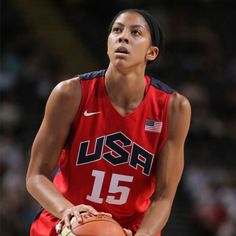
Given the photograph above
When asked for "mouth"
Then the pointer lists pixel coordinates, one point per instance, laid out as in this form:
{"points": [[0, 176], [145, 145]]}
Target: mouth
{"points": [[122, 50]]}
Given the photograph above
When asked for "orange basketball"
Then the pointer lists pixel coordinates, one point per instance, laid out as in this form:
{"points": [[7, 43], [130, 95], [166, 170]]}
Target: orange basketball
{"points": [[91, 225]]}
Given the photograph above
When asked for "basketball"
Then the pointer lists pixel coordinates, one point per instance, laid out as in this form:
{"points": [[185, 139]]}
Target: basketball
{"points": [[91, 225]]}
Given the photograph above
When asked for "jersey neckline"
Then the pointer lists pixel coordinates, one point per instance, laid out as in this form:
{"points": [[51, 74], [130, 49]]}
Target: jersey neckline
{"points": [[137, 109]]}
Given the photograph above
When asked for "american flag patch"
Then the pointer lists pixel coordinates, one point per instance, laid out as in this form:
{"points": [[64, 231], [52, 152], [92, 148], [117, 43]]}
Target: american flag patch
{"points": [[153, 126]]}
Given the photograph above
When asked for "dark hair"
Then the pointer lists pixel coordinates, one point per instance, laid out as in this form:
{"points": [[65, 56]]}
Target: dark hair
{"points": [[155, 30]]}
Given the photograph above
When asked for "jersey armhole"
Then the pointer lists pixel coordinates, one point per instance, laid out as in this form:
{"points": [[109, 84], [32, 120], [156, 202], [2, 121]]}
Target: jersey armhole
{"points": [[72, 132], [164, 133]]}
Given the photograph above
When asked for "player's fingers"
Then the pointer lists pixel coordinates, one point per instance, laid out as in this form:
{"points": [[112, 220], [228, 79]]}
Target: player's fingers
{"points": [[76, 214], [66, 220], [127, 232], [88, 208]]}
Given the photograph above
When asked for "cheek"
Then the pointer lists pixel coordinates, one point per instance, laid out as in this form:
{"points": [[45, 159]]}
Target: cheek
{"points": [[143, 48], [110, 45]]}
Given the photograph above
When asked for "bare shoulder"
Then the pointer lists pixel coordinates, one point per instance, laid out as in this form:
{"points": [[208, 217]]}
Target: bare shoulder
{"points": [[67, 89], [179, 116], [64, 99], [179, 103]]}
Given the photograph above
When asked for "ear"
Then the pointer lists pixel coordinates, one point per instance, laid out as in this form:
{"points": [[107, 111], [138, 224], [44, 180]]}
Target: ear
{"points": [[152, 53]]}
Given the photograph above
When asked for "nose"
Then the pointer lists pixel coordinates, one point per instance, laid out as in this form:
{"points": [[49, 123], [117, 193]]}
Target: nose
{"points": [[124, 37]]}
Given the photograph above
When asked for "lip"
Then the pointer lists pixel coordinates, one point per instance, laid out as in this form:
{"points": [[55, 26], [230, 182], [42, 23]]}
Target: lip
{"points": [[122, 51]]}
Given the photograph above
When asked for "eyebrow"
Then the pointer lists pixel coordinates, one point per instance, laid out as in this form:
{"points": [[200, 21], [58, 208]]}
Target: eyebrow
{"points": [[133, 26]]}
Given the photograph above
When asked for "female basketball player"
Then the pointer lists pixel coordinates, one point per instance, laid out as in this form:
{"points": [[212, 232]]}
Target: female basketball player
{"points": [[117, 136]]}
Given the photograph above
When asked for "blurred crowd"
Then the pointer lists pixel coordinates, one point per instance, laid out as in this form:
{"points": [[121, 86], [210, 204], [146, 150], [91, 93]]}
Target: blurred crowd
{"points": [[198, 60]]}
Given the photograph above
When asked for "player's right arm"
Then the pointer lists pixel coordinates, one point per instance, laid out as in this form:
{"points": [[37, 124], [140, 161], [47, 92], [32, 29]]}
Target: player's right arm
{"points": [[60, 112]]}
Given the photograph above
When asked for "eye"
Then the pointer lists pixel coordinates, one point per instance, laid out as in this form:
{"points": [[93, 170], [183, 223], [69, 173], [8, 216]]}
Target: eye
{"points": [[136, 32], [116, 30]]}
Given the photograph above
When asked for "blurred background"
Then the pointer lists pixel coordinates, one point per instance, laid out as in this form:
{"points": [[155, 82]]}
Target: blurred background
{"points": [[47, 41]]}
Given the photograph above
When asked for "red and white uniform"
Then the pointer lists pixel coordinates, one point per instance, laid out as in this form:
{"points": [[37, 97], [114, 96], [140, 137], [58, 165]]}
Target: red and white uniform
{"points": [[109, 160]]}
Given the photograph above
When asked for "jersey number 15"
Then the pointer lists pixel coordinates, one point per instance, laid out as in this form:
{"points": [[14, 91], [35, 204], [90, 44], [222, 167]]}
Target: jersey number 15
{"points": [[114, 187]]}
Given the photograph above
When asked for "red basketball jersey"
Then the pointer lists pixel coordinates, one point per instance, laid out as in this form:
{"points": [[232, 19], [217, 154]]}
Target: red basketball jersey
{"points": [[109, 161]]}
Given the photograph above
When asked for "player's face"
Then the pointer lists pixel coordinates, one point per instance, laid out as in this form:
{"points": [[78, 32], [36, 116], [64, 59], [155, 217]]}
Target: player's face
{"points": [[129, 43]]}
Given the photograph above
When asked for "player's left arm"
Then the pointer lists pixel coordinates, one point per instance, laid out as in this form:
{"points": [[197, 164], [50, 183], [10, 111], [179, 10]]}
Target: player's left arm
{"points": [[169, 167]]}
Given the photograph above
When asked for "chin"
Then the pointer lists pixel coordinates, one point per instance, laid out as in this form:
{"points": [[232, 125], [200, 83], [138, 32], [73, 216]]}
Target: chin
{"points": [[120, 63], [122, 67]]}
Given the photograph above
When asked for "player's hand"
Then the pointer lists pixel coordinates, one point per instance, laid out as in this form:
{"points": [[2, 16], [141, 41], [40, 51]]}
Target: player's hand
{"points": [[128, 232], [76, 212]]}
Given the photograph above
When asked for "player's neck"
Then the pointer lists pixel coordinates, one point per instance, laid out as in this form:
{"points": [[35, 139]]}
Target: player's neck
{"points": [[125, 90], [125, 80]]}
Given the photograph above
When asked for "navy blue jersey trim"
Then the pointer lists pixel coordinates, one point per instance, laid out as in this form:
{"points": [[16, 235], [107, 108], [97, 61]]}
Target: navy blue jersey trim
{"points": [[55, 172], [162, 86], [92, 75], [38, 214], [155, 82]]}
